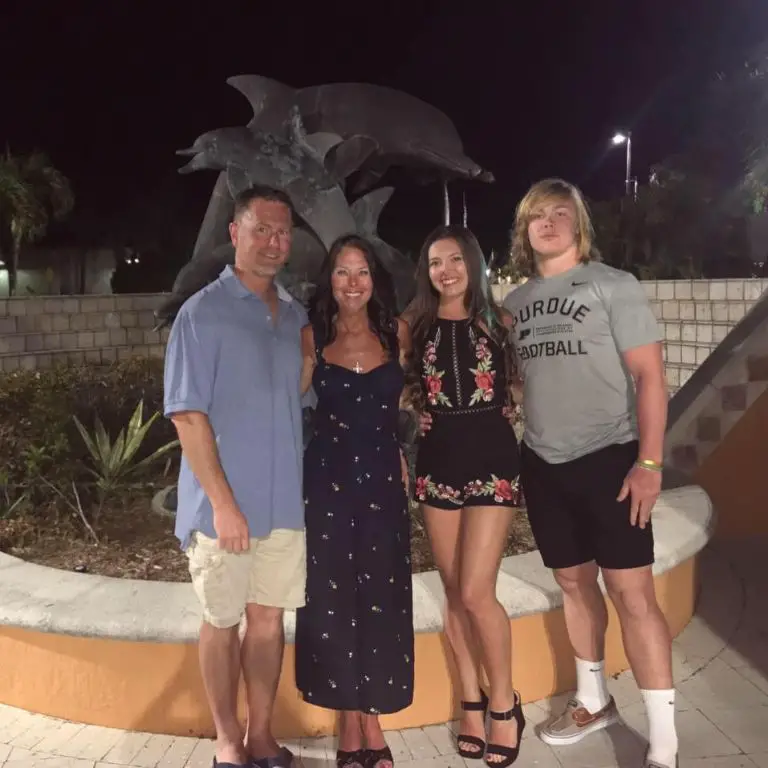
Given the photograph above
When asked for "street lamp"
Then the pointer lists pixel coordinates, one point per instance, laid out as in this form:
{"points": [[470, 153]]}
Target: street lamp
{"points": [[626, 138]]}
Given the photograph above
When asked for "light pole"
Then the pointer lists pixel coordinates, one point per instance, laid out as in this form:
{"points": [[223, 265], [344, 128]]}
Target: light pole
{"points": [[626, 138]]}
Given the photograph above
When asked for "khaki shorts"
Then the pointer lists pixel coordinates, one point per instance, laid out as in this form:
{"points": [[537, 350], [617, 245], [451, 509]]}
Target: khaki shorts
{"points": [[272, 573]]}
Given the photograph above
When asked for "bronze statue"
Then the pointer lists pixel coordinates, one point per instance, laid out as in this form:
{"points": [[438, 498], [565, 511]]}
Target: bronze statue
{"points": [[322, 145]]}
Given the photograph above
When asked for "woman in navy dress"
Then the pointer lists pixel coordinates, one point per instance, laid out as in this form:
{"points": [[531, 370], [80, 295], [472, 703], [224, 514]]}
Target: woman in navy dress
{"points": [[354, 637]]}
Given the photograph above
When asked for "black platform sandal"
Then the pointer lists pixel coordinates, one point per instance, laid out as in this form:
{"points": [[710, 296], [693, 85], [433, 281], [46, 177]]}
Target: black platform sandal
{"points": [[374, 756], [353, 759], [509, 754], [474, 741]]}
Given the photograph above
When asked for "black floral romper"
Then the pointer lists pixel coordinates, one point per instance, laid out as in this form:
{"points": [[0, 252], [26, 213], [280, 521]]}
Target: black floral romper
{"points": [[470, 456], [354, 637]]}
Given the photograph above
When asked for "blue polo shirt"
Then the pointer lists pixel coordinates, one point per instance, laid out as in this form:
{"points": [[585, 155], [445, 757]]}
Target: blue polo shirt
{"points": [[227, 359]]}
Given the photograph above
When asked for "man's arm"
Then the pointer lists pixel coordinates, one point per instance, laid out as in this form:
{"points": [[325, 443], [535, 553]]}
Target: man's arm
{"points": [[188, 385], [646, 366], [638, 340], [199, 446]]}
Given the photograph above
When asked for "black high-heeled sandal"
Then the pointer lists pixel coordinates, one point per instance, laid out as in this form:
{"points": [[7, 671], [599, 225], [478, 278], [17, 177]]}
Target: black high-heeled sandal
{"points": [[374, 756], [474, 741], [509, 754], [346, 759]]}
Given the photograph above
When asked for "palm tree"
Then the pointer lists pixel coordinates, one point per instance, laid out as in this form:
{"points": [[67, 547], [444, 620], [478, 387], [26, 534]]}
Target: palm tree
{"points": [[32, 194]]}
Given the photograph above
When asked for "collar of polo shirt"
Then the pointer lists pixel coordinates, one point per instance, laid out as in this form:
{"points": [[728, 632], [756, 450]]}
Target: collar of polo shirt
{"points": [[232, 281]]}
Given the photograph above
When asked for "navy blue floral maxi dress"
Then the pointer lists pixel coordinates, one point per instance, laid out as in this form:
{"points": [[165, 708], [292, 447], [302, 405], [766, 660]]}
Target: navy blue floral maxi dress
{"points": [[354, 637]]}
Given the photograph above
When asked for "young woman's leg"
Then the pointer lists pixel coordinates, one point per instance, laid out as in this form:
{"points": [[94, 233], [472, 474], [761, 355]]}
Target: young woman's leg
{"points": [[444, 530], [483, 539]]}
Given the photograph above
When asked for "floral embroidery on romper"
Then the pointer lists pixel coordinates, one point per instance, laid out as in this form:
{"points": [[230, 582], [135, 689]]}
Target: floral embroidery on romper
{"points": [[426, 487], [499, 488], [484, 374], [433, 379]]}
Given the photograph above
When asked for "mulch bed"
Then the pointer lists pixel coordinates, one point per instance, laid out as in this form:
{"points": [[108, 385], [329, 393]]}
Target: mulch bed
{"points": [[137, 543]]}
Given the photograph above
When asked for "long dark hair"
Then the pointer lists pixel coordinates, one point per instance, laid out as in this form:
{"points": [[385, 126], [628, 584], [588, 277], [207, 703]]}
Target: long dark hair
{"points": [[483, 311], [422, 311], [323, 308]]}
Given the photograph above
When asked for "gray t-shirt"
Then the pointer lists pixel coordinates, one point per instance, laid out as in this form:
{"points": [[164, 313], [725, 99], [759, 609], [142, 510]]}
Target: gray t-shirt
{"points": [[569, 332]]}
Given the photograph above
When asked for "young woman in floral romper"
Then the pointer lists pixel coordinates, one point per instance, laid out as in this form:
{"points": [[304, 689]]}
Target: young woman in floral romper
{"points": [[466, 474]]}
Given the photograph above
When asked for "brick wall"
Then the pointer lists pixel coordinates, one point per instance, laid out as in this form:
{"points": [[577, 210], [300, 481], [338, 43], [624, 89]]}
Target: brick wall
{"points": [[695, 316], [37, 332]]}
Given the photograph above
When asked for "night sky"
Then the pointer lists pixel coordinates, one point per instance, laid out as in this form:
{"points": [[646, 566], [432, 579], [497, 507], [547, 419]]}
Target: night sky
{"points": [[111, 89]]}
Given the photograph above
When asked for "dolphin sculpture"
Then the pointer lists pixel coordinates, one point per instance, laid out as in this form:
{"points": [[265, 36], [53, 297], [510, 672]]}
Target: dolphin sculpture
{"points": [[300, 165], [317, 144], [408, 131]]}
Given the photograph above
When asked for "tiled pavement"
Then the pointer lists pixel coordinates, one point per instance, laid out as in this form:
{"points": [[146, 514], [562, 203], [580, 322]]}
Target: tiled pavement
{"points": [[721, 667]]}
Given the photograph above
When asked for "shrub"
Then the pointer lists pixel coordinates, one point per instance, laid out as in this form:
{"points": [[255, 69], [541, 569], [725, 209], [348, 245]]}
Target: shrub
{"points": [[38, 435]]}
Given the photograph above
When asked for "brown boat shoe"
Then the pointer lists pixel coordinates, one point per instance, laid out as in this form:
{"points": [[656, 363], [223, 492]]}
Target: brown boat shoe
{"points": [[577, 722]]}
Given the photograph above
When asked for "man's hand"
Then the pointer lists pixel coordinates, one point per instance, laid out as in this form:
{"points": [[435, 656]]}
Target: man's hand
{"points": [[643, 486], [405, 474], [425, 422], [231, 530]]}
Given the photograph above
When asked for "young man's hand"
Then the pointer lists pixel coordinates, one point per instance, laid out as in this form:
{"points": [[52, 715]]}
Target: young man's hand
{"points": [[643, 487]]}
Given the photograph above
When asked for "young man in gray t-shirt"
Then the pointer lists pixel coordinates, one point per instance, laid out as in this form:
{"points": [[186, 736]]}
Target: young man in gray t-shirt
{"points": [[595, 406]]}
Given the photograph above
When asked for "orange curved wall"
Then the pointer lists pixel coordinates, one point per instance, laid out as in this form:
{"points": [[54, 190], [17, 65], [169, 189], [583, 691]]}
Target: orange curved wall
{"points": [[156, 687], [735, 474]]}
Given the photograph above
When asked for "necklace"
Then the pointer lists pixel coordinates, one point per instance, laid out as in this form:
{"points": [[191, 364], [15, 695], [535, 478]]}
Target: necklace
{"points": [[358, 368]]}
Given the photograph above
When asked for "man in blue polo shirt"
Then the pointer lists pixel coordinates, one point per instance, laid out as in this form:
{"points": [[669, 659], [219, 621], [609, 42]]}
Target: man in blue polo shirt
{"points": [[232, 389]]}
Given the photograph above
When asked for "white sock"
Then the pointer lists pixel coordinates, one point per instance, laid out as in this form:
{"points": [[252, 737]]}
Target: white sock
{"points": [[592, 690], [660, 706]]}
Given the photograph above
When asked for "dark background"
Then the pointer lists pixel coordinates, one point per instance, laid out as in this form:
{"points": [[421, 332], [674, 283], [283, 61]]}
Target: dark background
{"points": [[111, 89]]}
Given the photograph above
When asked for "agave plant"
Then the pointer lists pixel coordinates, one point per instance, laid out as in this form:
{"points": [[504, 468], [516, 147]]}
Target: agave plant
{"points": [[114, 462]]}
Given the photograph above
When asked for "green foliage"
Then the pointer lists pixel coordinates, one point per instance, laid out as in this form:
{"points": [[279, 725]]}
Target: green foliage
{"points": [[114, 462], [32, 194], [693, 218], [42, 453], [677, 228]]}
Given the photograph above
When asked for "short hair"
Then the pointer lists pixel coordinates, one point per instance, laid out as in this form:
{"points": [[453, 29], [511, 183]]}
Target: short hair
{"points": [[261, 192], [540, 193]]}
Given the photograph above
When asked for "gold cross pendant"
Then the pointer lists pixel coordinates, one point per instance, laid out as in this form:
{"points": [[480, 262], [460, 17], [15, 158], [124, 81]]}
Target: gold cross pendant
{"points": [[358, 368]]}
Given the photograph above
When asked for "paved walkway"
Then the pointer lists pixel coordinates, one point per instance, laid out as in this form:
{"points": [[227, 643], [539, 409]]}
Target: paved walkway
{"points": [[721, 668]]}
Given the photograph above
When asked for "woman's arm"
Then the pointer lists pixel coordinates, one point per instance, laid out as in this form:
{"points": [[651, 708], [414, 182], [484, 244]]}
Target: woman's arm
{"points": [[515, 382], [405, 343], [309, 359], [404, 340]]}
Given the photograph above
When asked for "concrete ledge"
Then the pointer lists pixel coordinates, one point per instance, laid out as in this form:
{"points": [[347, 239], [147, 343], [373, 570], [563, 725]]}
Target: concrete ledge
{"points": [[50, 600], [123, 654]]}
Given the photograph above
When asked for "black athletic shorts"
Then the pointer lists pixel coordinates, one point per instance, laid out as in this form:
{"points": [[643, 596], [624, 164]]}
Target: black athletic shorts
{"points": [[573, 511]]}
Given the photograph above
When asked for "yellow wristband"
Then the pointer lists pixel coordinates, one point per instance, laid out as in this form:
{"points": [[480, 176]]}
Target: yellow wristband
{"points": [[654, 466]]}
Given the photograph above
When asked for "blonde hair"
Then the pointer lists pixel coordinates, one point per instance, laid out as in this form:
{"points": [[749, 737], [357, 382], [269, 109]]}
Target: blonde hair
{"points": [[542, 192]]}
